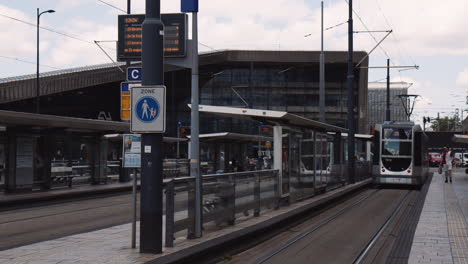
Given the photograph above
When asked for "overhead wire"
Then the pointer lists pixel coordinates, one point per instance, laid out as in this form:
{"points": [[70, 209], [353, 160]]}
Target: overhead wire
{"points": [[372, 35], [394, 35], [25, 61], [52, 30], [113, 6]]}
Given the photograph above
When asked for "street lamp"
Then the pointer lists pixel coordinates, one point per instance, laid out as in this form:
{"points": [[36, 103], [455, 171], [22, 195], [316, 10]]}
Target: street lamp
{"points": [[37, 61]]}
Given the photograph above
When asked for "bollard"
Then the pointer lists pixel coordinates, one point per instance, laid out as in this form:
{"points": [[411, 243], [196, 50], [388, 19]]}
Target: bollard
{"points": [[257, 194], [170, 214]]}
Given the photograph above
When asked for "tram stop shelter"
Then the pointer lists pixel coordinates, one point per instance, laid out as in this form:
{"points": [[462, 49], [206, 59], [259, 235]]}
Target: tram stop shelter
{"points": [[42, 151], [308, 158]]}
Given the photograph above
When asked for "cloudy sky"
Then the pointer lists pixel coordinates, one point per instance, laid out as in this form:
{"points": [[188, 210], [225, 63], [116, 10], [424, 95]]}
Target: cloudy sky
{"points": [[432, 34]]}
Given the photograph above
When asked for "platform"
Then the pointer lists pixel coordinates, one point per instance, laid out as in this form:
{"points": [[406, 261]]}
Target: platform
{"points": [[442, 232], [112, 245], [14, 199]]}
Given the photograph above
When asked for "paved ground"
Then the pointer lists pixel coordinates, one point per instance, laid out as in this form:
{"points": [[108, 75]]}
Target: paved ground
{"points": [[39, 223], [112, 245], [442, 233]]}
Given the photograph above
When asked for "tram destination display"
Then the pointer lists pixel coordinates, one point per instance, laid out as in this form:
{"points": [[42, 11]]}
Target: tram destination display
{"points": [[130, 36]]}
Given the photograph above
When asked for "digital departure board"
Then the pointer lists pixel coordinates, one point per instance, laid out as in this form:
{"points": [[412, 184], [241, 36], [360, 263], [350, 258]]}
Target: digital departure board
{"points": [[130, 36]]}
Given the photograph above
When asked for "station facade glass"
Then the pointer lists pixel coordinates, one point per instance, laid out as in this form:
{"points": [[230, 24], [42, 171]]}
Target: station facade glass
{"points": [[289, 88]]}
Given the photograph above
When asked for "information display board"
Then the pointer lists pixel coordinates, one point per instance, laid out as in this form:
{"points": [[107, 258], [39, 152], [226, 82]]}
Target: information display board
{"points": [[130, 36]]}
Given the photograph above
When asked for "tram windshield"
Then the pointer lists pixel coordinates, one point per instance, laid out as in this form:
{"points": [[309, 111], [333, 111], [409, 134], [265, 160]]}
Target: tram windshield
{"points": [[397, 133], [396, 164], [396, 148]]}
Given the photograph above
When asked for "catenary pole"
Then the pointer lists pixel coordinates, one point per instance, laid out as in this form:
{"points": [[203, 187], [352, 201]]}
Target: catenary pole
{"points": [[194, 132], [351, 132], [37, 67], [322, 79], [151, 204], [387, 111]]}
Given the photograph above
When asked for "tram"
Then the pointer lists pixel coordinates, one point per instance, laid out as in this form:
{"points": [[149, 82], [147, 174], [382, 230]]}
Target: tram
{"points": [[400, 154]]}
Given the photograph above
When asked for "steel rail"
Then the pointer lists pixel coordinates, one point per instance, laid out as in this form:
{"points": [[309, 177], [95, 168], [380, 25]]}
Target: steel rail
{"points": [[360, 258], [315, 228]]}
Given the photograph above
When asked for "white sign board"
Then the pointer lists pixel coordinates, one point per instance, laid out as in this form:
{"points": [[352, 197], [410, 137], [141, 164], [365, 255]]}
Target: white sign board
{"points": [[131, 151], [148, 109]]}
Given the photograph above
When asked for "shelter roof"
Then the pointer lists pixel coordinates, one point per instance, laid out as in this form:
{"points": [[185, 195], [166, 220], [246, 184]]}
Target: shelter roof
{"points": [[281, 117]]}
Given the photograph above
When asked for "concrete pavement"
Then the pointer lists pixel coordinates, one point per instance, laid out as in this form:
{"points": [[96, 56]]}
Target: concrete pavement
{"points": [[442, 232], [112, 245]]}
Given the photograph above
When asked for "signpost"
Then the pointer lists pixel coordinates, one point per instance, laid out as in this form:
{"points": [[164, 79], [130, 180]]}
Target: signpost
{"points": [[132, 159], [152, 59], [130, 36]]}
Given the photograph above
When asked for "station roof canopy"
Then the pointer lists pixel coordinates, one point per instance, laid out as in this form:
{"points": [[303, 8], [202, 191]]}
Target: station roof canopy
{"points": [[18, 119], [358, 136], [233, 137], [23, 87], [280, 117]]}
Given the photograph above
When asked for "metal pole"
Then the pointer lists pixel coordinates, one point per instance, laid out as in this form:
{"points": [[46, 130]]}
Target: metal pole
{"points": [[37, 66], [129, 9], [151, 205], [322, 80], [438, 121], [350, 96], [194, 132], [387, 111], [134, 211], [178, 136]]}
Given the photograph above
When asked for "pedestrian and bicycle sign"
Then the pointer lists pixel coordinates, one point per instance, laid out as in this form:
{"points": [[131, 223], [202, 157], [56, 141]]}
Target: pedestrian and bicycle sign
{"points": [[148, 109]]}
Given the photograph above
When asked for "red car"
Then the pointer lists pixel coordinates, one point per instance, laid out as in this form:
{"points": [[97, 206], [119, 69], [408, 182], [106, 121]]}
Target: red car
{"points": [[435, 159]]}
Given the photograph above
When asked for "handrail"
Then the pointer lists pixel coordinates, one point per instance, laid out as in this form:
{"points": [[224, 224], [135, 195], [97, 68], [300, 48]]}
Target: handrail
{"points": [[209, 176]]}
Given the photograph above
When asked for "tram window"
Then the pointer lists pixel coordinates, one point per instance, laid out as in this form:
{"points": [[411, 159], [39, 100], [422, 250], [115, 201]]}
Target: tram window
{"points": [[397, 133], [396, 148]]}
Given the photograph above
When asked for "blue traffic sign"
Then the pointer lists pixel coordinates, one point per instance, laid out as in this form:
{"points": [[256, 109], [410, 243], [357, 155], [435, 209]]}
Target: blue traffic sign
{"points": [[148, 113], [189, 6], [134, 74], [147, 109]]}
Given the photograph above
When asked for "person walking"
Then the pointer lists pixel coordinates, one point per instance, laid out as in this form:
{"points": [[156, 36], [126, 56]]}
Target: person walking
{"points": [[447, 163]]}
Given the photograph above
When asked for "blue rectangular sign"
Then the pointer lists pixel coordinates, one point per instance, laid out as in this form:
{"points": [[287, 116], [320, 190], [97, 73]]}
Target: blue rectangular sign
{"points": [[134, 74], [189, 6]]}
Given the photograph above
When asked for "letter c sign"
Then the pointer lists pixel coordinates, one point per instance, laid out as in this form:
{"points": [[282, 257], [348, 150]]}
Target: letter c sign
{"points": [[134, 74]]}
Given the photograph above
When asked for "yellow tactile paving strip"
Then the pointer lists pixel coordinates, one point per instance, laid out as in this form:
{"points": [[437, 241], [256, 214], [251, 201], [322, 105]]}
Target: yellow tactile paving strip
{"points": [[457, 227]]}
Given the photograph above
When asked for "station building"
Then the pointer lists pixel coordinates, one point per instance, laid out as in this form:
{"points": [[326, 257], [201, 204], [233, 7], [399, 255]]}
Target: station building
{"points": [[271, 80], [377, 94]]}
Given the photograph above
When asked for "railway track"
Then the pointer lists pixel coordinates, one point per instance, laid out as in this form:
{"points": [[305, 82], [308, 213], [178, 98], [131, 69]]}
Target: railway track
{"points": [[342, 236]]}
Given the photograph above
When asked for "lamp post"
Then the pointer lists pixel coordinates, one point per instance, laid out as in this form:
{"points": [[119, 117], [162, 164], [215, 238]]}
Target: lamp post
{"points": [[37, 61]]}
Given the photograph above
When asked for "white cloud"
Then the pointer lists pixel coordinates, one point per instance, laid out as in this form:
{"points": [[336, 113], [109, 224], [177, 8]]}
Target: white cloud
{"points": [[462, 78]]}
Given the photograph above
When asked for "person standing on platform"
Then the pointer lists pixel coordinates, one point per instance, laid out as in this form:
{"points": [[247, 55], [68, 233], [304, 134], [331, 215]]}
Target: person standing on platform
{"points": [[447, 163]]}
